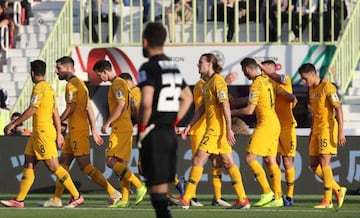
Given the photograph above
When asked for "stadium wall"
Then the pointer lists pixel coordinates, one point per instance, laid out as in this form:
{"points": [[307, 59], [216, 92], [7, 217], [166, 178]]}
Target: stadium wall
{"points": [[346, 168]]}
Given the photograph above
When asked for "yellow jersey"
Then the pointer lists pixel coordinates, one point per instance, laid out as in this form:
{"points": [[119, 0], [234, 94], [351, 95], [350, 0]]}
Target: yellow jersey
{"points": [[200, 126], [283, 108], [135, 98], [77, 92], [262, 95], [215, 93], [323, 98], [120, 91], [43, 99]]}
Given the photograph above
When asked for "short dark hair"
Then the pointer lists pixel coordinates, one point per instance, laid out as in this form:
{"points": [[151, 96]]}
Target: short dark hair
{"points": [[15, 114], [102, 65], [66, 60], [2, 3], [248, 62], [307, 68], [126, 76], [38, 67], [155, 33], [269, 62]]}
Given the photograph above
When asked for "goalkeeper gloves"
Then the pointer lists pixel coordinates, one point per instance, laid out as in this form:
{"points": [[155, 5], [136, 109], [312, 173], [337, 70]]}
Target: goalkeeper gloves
{"points": [[143, 131]]}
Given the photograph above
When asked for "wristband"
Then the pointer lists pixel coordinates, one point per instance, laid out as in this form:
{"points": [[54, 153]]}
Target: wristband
{"points": [[141, 127], [177, 121]]}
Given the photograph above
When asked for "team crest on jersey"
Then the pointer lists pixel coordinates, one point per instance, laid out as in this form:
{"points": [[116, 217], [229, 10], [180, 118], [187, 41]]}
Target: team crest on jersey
{"points": [[142, 76], [222, 95], [34, 99], [335, 97], [283, 78], [70, 96], [119, 94], [251, 95]]}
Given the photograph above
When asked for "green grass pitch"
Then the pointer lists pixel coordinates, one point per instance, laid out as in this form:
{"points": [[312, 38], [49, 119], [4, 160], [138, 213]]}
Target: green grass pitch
{"points": [[95, 207]]}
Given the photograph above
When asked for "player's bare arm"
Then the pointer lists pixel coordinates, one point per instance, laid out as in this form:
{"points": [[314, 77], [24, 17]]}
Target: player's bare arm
{"points": [[271, 73], [145, 113], [186, 99], [291, 98], [114, 115], [198, 113], [147, 93], [227, 114], [91, 117], [340, 120], [57, 123], [236, 103], [248, 110], [70, 108]]}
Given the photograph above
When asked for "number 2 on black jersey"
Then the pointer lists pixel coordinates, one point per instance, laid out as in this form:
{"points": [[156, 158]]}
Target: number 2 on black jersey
{"points": [[170, 93]]}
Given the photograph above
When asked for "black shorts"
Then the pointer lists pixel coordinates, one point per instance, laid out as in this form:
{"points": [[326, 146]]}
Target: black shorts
{"points": [[159, 155]]}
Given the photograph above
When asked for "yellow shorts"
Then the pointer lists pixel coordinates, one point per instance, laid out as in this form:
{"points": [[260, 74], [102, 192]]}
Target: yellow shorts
{"points": [[77, 143], [120, 145], [42, 144], [264, 141], [195, 142], [215, 144], [287, 141], [324, 141]]}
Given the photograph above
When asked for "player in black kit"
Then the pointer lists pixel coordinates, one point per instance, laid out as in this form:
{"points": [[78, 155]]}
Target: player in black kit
{"points": [[165, 99]]}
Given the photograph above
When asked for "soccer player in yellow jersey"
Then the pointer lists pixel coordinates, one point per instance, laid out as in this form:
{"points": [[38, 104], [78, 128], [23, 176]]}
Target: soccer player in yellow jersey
{"points": [[196, 133], [327, 131], [135, 96], [264, 140], [218, 137], [78, 114], [46, 135], [287, 140], [120, 141]]}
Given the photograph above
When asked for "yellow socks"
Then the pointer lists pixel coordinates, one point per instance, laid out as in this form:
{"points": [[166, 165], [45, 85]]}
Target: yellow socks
{"points": [[59, 187], [25, 184], [236, 181], [125, 189], [125, 173], [195, 175], [99, 178], [216, 182], [65, 178], [328, 179], [275, 177], [319, 172], [290, 179], [260, 176]]}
